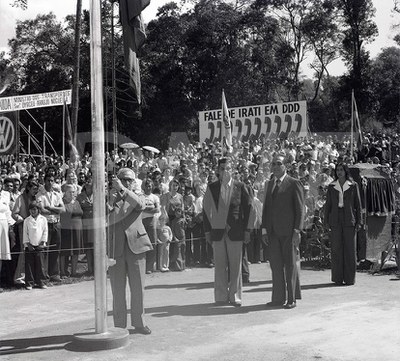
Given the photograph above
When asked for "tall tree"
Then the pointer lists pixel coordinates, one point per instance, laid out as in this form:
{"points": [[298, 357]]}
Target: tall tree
{"points": [[359, 29], [321, 28], [385, 74]]}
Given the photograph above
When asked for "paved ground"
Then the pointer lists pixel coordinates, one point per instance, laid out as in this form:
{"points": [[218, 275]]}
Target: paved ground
{"points": [[330, 323]]}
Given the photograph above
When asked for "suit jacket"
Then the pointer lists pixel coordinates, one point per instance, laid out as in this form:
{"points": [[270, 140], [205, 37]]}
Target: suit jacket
{"points": [[285, 211], [126, 225], [351, 205], [232, 216]]}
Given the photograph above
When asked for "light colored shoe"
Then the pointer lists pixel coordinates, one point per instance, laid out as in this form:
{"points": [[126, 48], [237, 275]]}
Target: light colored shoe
{"points": [[28, 288]]}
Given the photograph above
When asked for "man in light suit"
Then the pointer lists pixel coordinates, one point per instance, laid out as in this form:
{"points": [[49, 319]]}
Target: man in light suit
{"points": [[129, 243], [226, 210], [282, 221]]}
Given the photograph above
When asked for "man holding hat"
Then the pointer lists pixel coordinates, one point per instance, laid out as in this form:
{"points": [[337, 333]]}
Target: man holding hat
{"points": [[129, 243]]}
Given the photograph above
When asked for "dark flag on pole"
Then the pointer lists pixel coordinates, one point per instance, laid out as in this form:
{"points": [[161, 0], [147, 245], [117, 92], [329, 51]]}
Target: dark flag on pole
{"points": [[73, 152], [134, 36]]}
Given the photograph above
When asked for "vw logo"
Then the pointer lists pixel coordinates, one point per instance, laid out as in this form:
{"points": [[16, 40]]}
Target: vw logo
{"points": [[7, 134]]}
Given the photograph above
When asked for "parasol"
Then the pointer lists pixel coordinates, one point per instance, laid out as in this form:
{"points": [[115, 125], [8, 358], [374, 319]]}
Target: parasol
{"points": [[129, 146], [151, 149]]}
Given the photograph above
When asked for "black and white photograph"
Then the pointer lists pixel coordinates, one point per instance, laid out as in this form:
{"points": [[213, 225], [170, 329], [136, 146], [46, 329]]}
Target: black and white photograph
{"points": [[200, 180]]}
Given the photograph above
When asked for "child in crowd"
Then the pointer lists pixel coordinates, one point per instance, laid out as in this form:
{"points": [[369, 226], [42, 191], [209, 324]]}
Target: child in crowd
{"points": [[34, 239], [178, 244], [164, 235]]}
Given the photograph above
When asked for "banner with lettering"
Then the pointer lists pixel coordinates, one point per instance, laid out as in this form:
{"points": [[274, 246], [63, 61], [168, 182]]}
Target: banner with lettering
{"points": [[30, 101], [250, 122], [8, 133]]}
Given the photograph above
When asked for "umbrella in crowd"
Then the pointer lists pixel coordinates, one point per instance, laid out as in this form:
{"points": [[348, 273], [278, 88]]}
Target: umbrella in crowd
{"points": [[129, 146], [151, 149]]}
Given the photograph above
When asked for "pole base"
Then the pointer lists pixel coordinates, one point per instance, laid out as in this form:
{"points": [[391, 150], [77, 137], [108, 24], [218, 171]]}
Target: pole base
{"points": [[90, 341]]}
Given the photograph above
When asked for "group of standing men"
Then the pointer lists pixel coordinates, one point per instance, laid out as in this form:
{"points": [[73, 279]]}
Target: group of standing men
{"points": [[227, 206]]}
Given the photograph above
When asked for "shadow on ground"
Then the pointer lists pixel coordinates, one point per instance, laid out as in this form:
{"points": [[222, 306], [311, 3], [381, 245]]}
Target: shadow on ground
{"points": [[35, 344]]}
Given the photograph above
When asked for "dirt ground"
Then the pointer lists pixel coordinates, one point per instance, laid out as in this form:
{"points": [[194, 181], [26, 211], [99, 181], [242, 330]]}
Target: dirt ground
{"points": [[331, 323]]}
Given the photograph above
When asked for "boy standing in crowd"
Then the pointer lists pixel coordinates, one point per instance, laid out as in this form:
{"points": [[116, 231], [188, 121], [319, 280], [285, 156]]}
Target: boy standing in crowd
{"points": [[34, 238]]}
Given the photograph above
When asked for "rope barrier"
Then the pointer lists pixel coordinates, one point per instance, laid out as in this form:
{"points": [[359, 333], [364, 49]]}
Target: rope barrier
{"points": [[45, 250]]}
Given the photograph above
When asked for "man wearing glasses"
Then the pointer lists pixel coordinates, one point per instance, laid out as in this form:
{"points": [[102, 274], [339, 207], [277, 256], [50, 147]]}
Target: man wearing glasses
{"points": [[282, 221], [128, 243], [226, 209]]}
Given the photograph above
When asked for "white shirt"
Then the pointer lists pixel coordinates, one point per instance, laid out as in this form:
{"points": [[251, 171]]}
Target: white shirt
{"points": [[35, 230], [51, 199], [346, 186], [225, 190]]}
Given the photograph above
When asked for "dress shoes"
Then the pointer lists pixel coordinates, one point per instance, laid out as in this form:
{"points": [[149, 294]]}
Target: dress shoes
{"points": [[274, 304], [236, 304], [55, 278], [143, 330], [289, 306]]}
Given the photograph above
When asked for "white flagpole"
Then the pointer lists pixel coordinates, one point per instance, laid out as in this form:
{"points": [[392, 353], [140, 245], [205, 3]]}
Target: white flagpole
{"points": [[103, 337], [99, 211]]}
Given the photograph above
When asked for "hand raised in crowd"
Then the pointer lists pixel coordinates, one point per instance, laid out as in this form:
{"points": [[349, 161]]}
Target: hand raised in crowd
{"points": [[116, 184]]}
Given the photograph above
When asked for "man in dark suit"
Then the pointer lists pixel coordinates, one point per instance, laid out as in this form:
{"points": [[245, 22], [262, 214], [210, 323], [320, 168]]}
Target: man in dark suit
{"points": [[282, 221], [226, 210], [129, 243]]}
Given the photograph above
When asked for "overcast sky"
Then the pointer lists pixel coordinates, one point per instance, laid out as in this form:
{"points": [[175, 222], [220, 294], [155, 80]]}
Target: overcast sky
{"points": [[9, 15]]}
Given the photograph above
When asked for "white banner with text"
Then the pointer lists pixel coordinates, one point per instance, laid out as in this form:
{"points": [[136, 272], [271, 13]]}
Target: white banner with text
{"points": [[250, 122], [30, 101]]}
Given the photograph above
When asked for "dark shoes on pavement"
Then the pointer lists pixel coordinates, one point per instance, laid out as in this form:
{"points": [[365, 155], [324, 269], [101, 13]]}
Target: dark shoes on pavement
{"points": [[277, 304], [143, 330], [225, 303], [289, 306]]}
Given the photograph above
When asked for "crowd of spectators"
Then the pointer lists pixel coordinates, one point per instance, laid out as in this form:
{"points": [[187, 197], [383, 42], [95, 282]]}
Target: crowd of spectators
{"points": [[173, 183]]}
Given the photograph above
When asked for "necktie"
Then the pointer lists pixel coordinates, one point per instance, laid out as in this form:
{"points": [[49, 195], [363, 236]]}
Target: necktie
{"points": [[276, 189], [225, 193]]}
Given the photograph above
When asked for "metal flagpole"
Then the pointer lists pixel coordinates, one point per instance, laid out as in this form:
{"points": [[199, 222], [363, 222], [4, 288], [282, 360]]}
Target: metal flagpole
{"points": [[114, 91], [103, 337], [352, 126], [44, 140], [99, 212], [63, 131], [29, 140]]}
